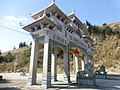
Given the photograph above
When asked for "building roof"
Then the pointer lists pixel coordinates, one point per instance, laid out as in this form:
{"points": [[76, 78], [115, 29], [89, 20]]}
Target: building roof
{"points": [[72, 15], [43, 20], [51, 8]]}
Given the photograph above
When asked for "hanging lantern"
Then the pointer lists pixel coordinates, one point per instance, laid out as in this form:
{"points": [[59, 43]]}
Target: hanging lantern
{"points": [[76, 52]]}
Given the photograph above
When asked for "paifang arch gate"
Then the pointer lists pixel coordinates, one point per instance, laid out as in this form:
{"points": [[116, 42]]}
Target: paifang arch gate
{"points": [[54, 29]]}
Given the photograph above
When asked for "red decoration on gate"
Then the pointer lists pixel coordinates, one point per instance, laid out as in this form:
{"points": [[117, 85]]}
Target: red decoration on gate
{"points": [[76, 52]]}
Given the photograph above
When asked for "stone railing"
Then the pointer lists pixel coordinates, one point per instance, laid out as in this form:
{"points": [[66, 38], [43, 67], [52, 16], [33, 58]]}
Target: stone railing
{"points": [[77, 41], [59, 38]]}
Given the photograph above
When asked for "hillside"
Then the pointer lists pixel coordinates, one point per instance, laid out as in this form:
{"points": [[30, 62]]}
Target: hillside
{"points": [[107, 52], [115, 26], [7, 59]]}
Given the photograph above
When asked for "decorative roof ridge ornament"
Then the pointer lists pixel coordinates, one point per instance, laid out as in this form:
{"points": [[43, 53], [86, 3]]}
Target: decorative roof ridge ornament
{"points": [[73, 11], [52, 4], [73, 17], [53, 1], [44, 12]]}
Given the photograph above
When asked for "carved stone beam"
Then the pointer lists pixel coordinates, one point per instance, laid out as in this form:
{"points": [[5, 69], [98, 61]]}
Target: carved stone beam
{"points": [[41, 25], [30, 29], [38, 17], [61, 18], [48, 25], [77, 23], [64, 21], [56, 14], [35, 28], [73, 19], [50, 14], [68, 29]]}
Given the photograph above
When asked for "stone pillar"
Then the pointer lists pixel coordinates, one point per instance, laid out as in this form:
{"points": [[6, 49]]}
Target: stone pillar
{"points": [[46, 79], [66, 65], [92, 62], [33, 61], [83, 64], [76, 63], [54, 66], [85, 61], [85, 58]]}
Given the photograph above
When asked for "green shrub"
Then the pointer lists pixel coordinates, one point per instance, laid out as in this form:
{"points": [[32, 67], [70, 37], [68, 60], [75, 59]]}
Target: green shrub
{"points": [[26, 53], [95, 29], [9, 57], [108, 30], [24, 58]]}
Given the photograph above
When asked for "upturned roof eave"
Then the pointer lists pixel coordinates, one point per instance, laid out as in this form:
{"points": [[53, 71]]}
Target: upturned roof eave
{"points": [[73, 15], [26, 27], [54, 6], [41, 11]]}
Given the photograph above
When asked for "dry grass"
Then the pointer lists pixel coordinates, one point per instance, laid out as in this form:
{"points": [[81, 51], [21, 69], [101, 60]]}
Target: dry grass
{"points": [[107, 52]]}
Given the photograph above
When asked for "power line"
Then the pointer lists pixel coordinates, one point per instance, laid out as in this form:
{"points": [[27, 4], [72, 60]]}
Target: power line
{"points": [[13, 30]]}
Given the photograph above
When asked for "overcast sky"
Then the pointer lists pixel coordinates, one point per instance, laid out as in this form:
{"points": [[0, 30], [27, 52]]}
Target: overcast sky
{"points": [[12, 12]]}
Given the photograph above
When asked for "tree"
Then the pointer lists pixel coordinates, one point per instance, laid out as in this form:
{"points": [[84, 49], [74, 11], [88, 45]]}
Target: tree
{"points": [[0, 52], [104, 24], [30, 43], [24, 44], [95, 29], [89, 27], [20, 45], [14, 48], [1, 59], [88, 23]]}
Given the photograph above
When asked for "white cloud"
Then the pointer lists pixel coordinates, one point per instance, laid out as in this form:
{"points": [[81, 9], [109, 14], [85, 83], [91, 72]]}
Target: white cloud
{"points": [[12, 20]]}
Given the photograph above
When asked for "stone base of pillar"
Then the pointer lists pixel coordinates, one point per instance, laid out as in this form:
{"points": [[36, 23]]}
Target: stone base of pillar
{"points": [[31, 81], [54, 78], [46, 81], [46, 84], [67, 80]]}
